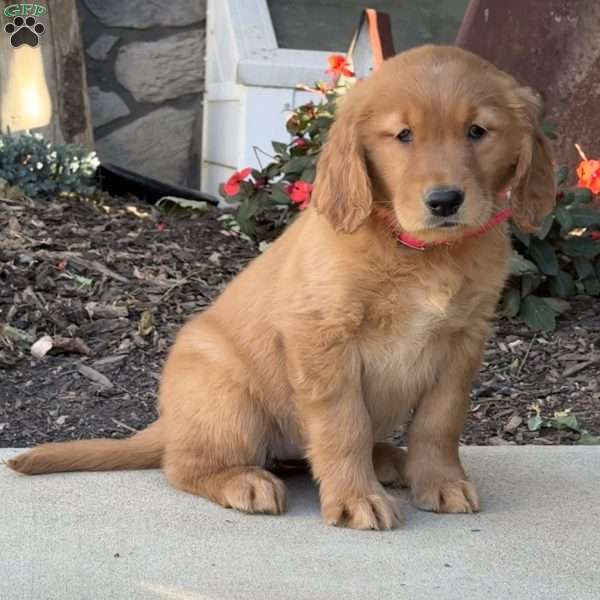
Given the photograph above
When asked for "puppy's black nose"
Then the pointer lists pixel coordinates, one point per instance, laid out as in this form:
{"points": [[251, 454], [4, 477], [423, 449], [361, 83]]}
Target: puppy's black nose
{"points": [[444, 201]]}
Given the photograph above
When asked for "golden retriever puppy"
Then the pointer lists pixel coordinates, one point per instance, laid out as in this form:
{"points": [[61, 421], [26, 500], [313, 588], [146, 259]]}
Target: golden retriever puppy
{"points": [[370, 310]]}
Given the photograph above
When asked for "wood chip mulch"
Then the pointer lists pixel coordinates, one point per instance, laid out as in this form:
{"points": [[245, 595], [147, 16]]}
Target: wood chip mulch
{"points": [[93, 292]]}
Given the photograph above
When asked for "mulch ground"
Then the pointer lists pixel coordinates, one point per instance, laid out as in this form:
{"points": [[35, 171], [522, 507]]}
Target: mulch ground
{"points": [[93, 292]]}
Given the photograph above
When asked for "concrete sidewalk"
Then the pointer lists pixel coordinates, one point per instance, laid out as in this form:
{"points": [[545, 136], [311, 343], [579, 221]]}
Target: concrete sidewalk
{"points": [[96, 536]]}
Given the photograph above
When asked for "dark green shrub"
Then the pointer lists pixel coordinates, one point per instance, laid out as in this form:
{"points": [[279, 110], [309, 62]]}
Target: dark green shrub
{"points": [[40, 168], [560, 261]]}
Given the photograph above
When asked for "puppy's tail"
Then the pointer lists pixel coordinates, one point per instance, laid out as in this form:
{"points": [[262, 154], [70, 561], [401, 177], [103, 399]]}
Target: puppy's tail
{"points": [[143, 450]]}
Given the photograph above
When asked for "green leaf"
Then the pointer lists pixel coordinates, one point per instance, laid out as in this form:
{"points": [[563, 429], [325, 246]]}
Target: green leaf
{"points": [[558, 305], [545, 227], [530, 283], [523, 237], [519, 265], [583, 216], [535, 423], [580, 246], [582, 196], [537, 314], [583, 267], [278, 195], [15, 334], [565, 420], [183, 203], [248, 208], [562, 285], [245, 216], [297, 165], [309, 174], [544, 256], [562, 175], [280, 148], [563, 216], [511, 301], [587, 439], [592, 286]]}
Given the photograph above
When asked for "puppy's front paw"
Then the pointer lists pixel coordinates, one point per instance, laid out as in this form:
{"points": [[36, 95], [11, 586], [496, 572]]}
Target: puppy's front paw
{"points": [[376, 510], [459, 496]]}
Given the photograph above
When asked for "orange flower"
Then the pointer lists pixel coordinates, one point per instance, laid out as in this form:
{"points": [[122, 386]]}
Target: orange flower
{"points": [[299, 193], [588, 172], [232, 185], [338, 65]]}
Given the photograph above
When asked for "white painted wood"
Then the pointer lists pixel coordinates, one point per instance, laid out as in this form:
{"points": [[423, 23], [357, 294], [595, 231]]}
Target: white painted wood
{"points": [[265, 114], [224, 92], [250, 86], [252, 26], [283, 68]]}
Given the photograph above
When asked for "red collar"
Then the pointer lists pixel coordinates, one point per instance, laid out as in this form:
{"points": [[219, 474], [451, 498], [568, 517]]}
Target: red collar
{"points": [[408, 240]]}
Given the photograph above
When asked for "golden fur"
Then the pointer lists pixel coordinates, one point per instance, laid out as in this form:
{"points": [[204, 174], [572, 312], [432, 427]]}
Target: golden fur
{"points": [[337, 334]]}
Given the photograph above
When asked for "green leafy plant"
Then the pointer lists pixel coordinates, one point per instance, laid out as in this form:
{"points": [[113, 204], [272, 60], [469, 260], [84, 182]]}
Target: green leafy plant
{"points": [[275, 193], [40, 168], [559, 261], [269, 197]]}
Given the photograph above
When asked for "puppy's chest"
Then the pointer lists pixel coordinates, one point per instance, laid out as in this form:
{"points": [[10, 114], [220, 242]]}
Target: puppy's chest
{"points": [[397, 343], [408, 333]]}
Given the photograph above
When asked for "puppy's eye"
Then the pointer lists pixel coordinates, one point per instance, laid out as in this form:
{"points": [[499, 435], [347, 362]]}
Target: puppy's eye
{"points": [[405, 136], [476, 132]]}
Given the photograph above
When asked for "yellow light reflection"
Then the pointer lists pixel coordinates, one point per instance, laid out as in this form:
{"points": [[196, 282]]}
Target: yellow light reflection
{"points": [[25, 102]]}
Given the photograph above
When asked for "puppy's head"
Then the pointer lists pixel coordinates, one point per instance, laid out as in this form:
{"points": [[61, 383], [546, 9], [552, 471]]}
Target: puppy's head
{"points": [[437, 135]]}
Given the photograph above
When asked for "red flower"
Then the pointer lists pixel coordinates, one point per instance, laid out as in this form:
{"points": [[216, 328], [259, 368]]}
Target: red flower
{"points": [[232, 185], [299, 193], [588, 172], [300, 142], [338, 65], [161, 226]]}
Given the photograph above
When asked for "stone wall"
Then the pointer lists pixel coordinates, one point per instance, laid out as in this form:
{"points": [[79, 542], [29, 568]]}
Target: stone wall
{"points": [[145, 69]]}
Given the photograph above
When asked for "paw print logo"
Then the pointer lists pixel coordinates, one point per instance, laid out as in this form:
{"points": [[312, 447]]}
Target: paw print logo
{"points": [[24, 31]]}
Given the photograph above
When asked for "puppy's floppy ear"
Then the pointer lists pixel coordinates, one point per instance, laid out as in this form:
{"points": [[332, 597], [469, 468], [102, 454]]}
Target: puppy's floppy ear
{"points": [[533, 193], [342, 186]]}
